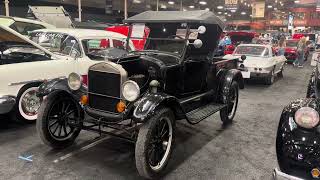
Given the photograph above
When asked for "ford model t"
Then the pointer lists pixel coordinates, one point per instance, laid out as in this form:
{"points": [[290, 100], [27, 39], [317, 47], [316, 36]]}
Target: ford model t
{"points": [[141, 95]]}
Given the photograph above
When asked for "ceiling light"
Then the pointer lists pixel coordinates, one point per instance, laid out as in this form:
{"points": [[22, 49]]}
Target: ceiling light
{"points": [[229, 15], [191, 6], [219, 12], [219, 7], [163, 6], [136, 1], [269, 6], [275, 8], [233, 10], [202, 2], [207, 9], [243, 13], [225, 13], [296, 1], [171, 2]]}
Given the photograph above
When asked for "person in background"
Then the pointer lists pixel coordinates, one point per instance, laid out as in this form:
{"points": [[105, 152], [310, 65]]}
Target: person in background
{"points": [[302, 45], [282, 45], [256, 39]]}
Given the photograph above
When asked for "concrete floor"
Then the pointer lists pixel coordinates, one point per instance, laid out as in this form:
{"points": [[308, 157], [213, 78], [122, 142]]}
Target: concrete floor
{"points": [[244, 150]]}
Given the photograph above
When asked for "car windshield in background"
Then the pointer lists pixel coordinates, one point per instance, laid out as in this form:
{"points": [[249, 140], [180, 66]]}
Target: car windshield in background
{"points": [[57, 43], [241, 39], [292, 43], [252, 51]]}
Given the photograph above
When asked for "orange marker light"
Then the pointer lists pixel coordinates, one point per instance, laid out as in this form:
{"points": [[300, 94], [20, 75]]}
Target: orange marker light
{"points": [[121, 106], [84, 99], [315, 173]]}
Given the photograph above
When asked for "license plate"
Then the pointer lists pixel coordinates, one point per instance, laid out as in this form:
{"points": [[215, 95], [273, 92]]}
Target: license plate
{"points": [[245, 74]]}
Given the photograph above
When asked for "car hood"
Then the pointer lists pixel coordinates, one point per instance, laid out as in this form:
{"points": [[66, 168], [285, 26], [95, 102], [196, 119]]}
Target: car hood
{"points": [[9, 35]]}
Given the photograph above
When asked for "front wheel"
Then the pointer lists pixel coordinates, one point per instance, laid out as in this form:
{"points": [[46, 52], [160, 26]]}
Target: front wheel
{"points": [[56, 114], [154, 144], [227, 114]]}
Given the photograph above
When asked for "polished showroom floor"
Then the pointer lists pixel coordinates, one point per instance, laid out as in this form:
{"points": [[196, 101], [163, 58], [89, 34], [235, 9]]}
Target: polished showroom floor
{"points": [[243, 150]]}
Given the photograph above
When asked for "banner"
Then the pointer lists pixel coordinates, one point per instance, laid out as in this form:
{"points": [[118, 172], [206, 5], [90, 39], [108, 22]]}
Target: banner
{"points": [[318, 5], [258, 9], [231, 4], [290, 22]]}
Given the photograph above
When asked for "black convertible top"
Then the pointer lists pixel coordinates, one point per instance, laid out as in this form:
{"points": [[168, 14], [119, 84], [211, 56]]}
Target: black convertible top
{"points": [[199, 16]]}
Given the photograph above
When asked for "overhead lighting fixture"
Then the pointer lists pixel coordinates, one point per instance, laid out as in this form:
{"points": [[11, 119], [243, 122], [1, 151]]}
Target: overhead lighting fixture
{"points": [[219, 7], [229, 15], [243, 13], [207, 9], [136, 1], [225, 13], [202, 2], [269, 6], [275, 9], [296, 1], [233, 10], [219, 12], [171, 2], [163, 6], [191, 6]]}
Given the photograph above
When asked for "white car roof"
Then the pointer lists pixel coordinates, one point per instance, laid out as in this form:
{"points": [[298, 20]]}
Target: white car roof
{"points": [[84, 33], [28, 21], [257, 45]]}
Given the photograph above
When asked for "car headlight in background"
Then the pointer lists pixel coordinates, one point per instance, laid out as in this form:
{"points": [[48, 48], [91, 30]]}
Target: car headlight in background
{"points": [[74, 81], [130, 90], [307, 117]]}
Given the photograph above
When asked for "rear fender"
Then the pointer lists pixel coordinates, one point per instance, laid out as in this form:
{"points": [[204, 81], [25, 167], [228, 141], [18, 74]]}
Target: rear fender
{"points": [[146, 107], [60, 85]]}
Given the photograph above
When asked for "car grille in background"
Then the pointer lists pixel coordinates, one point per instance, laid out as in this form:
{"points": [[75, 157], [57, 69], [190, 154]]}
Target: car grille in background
{"points": [[103, 90]]}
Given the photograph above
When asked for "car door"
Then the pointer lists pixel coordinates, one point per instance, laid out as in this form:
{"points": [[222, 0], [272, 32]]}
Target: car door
{"points": [[277, 60]]}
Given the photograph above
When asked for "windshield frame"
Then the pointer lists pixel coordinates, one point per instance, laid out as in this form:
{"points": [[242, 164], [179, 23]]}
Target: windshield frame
{"points": [[180, 56]]}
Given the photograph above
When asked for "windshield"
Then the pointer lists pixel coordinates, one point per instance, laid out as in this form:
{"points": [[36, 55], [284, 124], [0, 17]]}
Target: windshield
{"points": [[57, 43], [292, 43], [241, 38], [252, 51], [166, 38]]}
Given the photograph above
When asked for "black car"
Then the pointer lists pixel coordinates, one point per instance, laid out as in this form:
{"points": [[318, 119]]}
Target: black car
{"points": [[298, 136], [141, 95]]}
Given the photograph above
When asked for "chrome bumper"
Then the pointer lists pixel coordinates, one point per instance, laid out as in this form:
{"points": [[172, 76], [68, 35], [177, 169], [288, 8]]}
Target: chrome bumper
{"points": [[278, 175], [7, 103]]}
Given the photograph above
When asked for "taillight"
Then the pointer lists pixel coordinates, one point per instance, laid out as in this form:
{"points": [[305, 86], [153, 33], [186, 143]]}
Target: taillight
{"points": [[85, 79]]}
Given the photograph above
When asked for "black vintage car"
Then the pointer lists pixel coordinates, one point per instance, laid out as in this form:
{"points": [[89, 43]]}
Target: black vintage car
{"points": [[142, 94], [298, 136]]}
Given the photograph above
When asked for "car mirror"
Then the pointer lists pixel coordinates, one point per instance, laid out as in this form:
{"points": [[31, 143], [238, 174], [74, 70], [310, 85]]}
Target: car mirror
{"points": [[202, 29], [243, 57], [197, 43]]}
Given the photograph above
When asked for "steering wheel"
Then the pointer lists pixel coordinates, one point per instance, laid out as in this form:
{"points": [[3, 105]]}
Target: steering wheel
{"points": [[68, 49]]}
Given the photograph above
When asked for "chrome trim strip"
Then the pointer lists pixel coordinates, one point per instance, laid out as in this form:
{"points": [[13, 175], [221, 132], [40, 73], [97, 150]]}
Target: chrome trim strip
{"points": [[104, 95], [278, 175], [33, 81]]}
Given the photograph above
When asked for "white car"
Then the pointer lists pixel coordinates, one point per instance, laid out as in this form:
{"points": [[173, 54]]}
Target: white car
{"points": [[261, 62], [23, 25], [26, 64]]}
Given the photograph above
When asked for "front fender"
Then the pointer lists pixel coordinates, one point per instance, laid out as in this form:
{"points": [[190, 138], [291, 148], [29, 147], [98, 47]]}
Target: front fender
{"points": [[312, 87], [147, 105], [60, 84], [226, 81]]}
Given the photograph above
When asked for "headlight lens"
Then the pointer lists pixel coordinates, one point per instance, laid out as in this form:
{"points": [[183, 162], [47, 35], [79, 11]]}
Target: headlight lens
{"points": [[74, 81], [307, 117], [130, 90]]}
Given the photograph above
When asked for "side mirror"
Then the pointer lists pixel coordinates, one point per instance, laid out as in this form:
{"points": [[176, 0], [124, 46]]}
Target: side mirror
{"points": [[202, 29], [197, 43], [243, 57]]}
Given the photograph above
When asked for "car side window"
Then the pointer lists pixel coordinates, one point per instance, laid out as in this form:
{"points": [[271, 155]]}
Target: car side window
{"points": [[23, 27]]}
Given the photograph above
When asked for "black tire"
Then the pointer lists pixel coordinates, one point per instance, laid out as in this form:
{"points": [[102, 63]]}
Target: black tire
{"points": [[53, 107], [15, 114], [270, 79], [227, 114], [147, 139]]}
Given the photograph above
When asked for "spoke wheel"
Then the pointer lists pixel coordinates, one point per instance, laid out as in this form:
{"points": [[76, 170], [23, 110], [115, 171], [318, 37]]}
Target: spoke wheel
{"points": [[29, 104], [154, 144], [227, 114], [59, 120]]}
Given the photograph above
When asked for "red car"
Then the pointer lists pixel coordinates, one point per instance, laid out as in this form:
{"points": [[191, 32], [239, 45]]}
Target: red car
{"points": [[122, 29], [238, 37], [309, 36], [291, 50]]}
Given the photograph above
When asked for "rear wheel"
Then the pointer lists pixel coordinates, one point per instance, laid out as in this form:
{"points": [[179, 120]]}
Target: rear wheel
{"points": [[56, 114], [227, 114], [154, 144]]}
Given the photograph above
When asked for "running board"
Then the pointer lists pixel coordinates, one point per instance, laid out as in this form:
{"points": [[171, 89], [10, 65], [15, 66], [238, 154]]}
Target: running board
{"points": [[197, 115]]}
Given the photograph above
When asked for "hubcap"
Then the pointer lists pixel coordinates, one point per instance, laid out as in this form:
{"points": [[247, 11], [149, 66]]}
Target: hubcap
{"points": [[160, 144], [29, 104], [59, 117]]}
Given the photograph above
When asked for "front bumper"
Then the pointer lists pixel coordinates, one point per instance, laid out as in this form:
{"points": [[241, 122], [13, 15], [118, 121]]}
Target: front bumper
{"points": [[278, 175], [7, 103]]}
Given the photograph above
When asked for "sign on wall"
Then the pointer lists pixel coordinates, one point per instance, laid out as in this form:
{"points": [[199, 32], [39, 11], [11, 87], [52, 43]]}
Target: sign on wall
{"points": [[290, 22], [231, 4], [258, 9]]}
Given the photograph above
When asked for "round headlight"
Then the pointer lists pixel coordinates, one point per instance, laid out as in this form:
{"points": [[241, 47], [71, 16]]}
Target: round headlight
{"points": [[130, 90], [74, 81], [307, 117]]}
